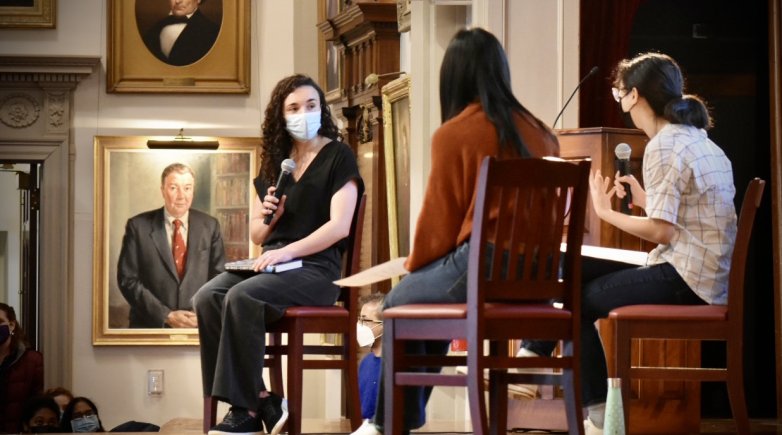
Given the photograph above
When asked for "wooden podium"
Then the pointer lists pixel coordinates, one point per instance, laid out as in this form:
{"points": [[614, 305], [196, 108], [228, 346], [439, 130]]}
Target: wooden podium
{"points": [[657, 406]]}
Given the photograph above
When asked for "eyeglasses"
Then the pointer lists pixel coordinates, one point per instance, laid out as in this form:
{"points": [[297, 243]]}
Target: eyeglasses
{"points": [[366, 320], [616, 92]]}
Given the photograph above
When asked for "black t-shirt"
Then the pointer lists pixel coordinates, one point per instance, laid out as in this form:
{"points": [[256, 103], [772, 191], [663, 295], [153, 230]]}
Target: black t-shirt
{"points": [[308, 202]]}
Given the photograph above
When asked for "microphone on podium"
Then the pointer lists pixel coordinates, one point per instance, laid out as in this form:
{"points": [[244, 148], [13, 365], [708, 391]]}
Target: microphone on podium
{"points": [[623, 152], [286, 168], [591, 72]]}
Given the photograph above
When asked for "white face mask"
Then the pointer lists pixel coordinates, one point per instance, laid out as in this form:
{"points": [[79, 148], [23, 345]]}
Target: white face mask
{"points": [[364, 335], [303, 126]]}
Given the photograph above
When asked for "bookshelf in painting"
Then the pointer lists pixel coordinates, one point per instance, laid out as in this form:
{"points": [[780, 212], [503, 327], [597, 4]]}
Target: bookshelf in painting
{"points": [[231, 202]]}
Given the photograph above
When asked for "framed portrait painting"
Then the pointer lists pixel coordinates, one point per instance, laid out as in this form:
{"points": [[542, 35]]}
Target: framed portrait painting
{"points": [[153, 49], [28, 14], [396, 146], [128, 184]]}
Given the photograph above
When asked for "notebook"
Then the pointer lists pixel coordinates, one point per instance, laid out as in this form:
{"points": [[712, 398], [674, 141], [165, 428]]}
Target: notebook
{"points": [[247, 266]]}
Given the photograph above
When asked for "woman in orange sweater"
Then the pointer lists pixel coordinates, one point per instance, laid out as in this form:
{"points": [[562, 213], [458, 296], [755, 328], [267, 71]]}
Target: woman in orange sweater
{"points": [[480, 117]]}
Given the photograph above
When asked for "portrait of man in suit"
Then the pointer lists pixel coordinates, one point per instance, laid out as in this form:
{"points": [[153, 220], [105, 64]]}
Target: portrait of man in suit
{"points": [[168, 254], [183, 36]]}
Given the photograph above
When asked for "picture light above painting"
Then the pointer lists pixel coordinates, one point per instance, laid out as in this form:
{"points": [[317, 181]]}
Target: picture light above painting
{"points": [[153, 49]]}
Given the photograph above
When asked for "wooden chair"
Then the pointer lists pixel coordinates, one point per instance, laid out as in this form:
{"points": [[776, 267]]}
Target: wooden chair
{"points": [[521, 208], [339, 319], [693, 322]]}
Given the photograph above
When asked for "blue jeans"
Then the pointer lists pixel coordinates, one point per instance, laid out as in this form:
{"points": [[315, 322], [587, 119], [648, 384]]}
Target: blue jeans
{"points": [[443, 281], [607, 286]]}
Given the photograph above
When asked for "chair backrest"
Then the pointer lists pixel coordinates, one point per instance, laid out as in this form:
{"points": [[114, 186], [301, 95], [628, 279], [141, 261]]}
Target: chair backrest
{"points": [[352, 256], [519, 220], [738, 262]]}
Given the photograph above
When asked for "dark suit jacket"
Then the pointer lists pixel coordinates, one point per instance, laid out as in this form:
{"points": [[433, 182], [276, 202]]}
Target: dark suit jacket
{"points": [[192, 44], [146, 273]]}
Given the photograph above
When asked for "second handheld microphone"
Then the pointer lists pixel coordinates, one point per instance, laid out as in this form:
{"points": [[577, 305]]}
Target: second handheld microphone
{"points": [[286, 168]]}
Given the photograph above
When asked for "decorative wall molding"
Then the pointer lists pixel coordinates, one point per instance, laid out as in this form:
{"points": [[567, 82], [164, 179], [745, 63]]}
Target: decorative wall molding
{"points": [[35, 115]]}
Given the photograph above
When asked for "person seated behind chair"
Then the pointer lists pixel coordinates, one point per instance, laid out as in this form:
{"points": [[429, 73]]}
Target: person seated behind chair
{"points": [[81, 415], [62, 396], [159, 287], [40, 414], [184, 36], [310, 222], [21, 370], [480, 117], [370, 331]]}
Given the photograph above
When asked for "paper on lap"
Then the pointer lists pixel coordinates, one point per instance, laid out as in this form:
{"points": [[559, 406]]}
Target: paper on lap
{"points": [[381, 272], [396, 267]]}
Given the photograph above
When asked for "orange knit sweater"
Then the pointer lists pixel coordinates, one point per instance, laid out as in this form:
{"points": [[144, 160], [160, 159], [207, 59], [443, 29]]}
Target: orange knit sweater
{"points": [[458, 147]]}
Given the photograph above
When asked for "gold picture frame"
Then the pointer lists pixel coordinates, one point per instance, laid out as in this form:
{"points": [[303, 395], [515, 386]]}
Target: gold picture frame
{"points": [[127, 182], [396, 149], [132, 67], [29, 14]]}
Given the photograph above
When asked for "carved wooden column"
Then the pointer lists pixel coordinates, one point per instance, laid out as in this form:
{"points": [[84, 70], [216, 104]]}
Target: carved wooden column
{"points": [[368, 38]]}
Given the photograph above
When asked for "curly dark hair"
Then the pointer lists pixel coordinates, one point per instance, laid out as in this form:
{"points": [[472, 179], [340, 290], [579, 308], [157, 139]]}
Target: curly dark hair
{"points": [[277, 143]]}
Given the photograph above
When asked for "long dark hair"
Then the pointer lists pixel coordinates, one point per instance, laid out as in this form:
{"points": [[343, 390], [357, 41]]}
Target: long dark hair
{"points": [[475, 69], [67, 414], [659, 79], [277, 143], [18, 335]]}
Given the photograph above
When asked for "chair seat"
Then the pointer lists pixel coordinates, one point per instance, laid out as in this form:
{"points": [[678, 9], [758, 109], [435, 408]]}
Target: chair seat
{"points": [[667, 313], [497, 311], [427, 311], [493, 311], [330, 311]]}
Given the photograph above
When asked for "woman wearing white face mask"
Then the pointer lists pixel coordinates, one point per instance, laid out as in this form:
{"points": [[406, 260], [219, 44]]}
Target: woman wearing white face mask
{"points": [[309, 221]]}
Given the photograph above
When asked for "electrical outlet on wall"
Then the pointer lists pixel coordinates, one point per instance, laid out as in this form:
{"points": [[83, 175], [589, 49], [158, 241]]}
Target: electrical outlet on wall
{"points": [[155, 382]]}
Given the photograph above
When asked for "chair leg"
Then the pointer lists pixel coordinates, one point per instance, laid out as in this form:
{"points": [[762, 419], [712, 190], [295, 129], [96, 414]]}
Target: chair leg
{"points": [[274, 365], [392, 394], [351, 384], [498, 403], [210, 413], [570, 379], [475, 394], [295, 381], [735, 383]]}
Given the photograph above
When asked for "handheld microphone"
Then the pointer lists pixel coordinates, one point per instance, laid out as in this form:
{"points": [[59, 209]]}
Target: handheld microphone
{"points": [[591, 72], [623, 152], [286, 168]]}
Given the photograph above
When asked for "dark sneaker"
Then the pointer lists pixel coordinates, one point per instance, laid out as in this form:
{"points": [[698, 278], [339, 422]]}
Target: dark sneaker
{"points": [[273, 410], [238, 421]]}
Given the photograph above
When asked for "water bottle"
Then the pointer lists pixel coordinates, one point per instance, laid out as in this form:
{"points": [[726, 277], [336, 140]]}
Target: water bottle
{"points": [[614, 423]]}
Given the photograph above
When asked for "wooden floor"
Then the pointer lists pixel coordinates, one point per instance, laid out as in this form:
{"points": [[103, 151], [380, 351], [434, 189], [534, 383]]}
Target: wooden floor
{"points": [[712, 427], [310, 426]]}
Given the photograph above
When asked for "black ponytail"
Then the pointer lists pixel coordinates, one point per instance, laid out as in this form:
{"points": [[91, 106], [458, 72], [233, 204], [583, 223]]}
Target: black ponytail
{"points": [[688, 110]]}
